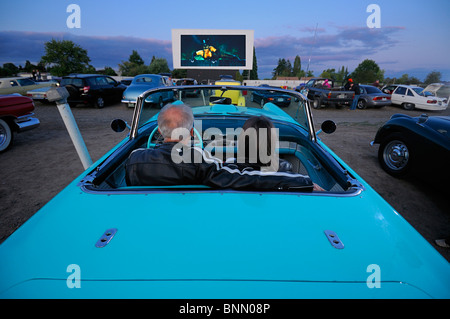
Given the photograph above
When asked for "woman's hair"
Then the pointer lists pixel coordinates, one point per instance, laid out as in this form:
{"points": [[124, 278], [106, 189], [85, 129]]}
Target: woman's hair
{"points": [[258, 142], [173, 117]]}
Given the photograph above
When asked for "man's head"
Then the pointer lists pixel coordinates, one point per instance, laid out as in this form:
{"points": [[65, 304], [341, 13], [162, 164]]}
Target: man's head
{"points": [[175, 122]]}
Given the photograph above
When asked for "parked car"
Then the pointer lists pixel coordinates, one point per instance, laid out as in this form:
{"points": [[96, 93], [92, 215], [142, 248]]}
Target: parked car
{"points": [[331, 95], [92, 89], [189, 81], [413, 97], [269, 95], [22, 85], [39, 94], [145, 82], [126, 81], [388, 89], [101, 237], [372, 97], [439, 89], [237, 97], [417, 146], [16, 115]]}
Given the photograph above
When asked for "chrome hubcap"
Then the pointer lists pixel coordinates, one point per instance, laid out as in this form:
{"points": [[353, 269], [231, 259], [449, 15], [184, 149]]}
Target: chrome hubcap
{"points": [[396, 155]]}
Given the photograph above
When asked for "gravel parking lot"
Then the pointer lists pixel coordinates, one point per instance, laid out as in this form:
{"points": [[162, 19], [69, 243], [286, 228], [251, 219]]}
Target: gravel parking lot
{"points": [[43, 161]]}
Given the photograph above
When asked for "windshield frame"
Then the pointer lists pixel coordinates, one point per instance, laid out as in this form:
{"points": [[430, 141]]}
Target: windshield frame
{"points": [[142, 97]]}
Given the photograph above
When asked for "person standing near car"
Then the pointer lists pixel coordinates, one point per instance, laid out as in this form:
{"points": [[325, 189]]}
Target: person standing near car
{"points": [[355, 87]]}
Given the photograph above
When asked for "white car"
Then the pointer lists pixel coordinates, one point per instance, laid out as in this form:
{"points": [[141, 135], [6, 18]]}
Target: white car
{"points": [[411, 97]]}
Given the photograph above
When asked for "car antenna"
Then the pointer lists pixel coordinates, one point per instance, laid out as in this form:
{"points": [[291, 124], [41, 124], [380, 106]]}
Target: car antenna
{"points": [[310, 52]]}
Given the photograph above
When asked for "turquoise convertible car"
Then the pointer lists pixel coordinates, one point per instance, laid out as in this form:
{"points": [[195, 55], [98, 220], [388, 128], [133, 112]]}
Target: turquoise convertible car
{"points": [[102, 238]]}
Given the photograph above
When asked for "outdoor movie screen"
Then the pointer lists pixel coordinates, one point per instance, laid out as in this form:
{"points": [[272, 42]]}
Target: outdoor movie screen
{"points": [[221, 49]]}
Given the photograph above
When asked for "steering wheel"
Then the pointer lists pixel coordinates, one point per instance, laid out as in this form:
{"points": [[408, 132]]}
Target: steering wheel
{"points": [[153, 145]]}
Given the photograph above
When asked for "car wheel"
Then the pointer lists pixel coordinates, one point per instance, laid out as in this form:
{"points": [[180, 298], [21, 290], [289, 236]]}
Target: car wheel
{"points": [[160, 102], [316, 103], [100, 102], [394, 155], [361, 104], [408, 106], [6, 136]]}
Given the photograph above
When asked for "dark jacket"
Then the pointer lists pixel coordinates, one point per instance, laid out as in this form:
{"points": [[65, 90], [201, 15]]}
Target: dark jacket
{"points": [[356, 88], [171, 164]]}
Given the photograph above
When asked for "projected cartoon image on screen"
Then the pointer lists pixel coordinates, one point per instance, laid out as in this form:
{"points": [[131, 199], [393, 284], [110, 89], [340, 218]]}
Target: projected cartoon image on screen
{"points": [[213, 50]]}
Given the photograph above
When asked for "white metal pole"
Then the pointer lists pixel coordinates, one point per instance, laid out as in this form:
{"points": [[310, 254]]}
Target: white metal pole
{"points": [[75, 134]]}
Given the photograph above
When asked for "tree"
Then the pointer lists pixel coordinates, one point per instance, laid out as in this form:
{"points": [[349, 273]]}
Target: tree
{"points": [[297, 69], [367, 72], [284, 68], [329, 74], [136, 58], [254, 70], [108, 71], [433, 77], [9, 69], [134, 65], [64, 57], [179, 73], [159, 65]]}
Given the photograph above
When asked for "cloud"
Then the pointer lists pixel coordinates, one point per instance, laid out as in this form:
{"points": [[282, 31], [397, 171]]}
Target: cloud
{"points": [[333, 47], [346, 46], [17, 47]]}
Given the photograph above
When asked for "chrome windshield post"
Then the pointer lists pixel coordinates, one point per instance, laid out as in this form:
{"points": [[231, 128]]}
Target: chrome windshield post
{"points": [[136, 116]]}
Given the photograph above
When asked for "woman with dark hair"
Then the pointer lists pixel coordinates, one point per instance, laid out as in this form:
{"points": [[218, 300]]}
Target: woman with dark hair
{"points": [[257, 145]]}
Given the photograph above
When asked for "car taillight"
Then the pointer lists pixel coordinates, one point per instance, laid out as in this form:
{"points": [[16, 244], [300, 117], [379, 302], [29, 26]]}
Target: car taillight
{"points": [[431, 101], [28, 94], [329, 95], [86, 89]]}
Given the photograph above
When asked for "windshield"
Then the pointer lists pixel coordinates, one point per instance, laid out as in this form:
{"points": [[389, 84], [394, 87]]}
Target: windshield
{"points": [[418, 90], [229, 101], [372, 90]]}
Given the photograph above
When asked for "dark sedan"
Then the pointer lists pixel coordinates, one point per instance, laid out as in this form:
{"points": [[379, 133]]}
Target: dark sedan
{"points": [[372, 97], [277, 98], [418, 146], [92, 89]]}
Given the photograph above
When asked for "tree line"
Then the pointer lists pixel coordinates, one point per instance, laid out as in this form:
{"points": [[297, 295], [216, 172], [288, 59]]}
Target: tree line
{"points": [[366, 72], [65, 57]]}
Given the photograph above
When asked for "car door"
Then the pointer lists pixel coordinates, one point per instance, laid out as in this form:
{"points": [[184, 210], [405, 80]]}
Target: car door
{"points": [[113, 89], [410, 98], [398, 96]]}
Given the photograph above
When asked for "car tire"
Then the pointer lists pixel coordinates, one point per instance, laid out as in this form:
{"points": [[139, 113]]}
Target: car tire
{"points": [[6, 136], [99, 102], [316, 103], [408, 106], [395, 155], [361, 104], [160, 102]]}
